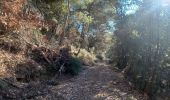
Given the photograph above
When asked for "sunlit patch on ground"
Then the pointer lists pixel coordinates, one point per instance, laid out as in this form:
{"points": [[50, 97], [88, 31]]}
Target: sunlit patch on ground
{"points": [[101, 95]]}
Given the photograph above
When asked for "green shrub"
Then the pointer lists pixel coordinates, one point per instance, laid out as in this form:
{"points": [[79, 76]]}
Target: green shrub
{"points": [[99, 57], [74, 66]]}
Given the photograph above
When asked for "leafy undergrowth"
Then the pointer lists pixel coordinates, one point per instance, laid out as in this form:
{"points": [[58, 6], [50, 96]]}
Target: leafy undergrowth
{"points": [[20, 72]]}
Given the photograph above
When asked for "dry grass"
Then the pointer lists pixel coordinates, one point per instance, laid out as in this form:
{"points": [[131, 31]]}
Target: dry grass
{"points": [[8, 61], [87, 57], [15, 49]]}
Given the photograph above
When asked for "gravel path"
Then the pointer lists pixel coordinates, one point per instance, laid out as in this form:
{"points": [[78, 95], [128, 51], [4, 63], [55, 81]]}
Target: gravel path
{"points": [[97, 83]]}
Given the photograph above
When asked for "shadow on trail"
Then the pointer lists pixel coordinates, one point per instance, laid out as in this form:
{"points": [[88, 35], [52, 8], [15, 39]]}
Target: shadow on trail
{"points": [[98, 83]]}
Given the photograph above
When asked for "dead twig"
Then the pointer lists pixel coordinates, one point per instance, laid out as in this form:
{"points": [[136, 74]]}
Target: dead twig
{"points": [[45, 57]]}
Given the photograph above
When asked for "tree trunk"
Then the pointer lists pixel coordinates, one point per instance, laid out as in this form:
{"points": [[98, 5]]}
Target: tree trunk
{"points": [[65, 23]]}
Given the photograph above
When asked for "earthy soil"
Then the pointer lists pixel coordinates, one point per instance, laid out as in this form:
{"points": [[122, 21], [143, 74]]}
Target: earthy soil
{"points": [[97, 82]]}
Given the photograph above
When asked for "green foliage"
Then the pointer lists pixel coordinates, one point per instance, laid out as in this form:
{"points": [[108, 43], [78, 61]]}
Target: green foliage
{"points": [[84, 17], [50, 8], [65, 8], [143, 44], [82, 4], [74, 66]]}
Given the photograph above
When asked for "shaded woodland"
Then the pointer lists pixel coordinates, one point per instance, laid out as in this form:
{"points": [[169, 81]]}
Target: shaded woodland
{"points": [[48, 41]]}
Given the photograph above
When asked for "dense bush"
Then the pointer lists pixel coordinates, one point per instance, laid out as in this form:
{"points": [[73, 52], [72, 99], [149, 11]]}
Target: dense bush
{"points": [[142, 48], [99, 57], [74, 66]]}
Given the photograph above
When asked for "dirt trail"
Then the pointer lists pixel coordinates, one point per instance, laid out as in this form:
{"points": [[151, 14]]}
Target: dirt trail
{"points": [[97, 83]]}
